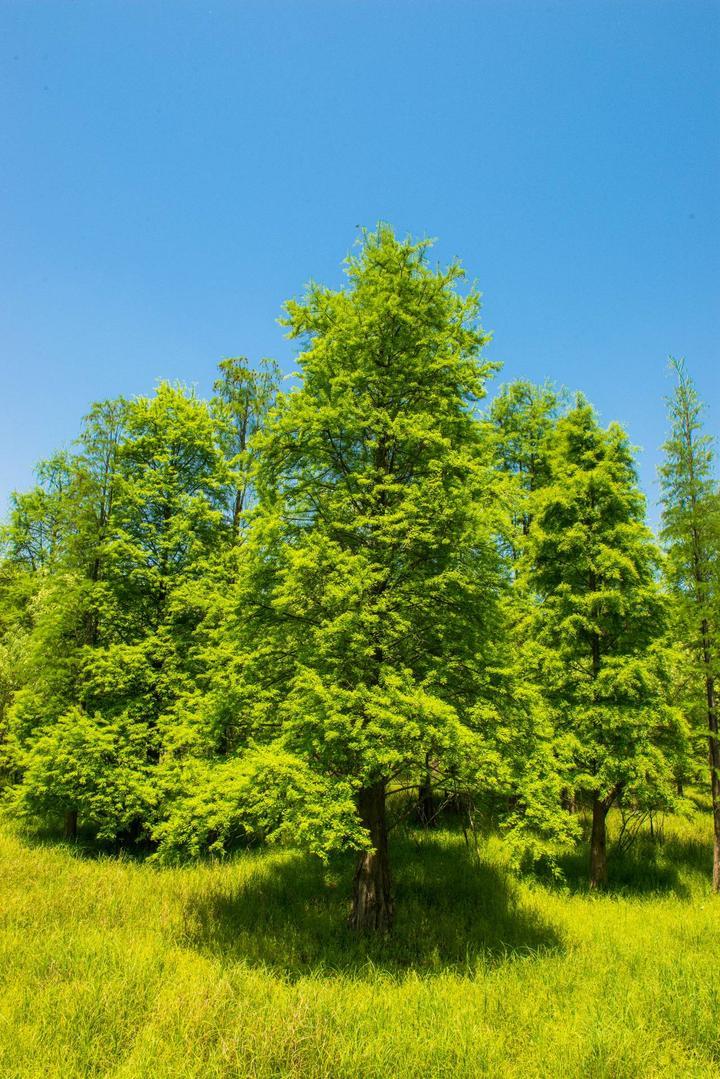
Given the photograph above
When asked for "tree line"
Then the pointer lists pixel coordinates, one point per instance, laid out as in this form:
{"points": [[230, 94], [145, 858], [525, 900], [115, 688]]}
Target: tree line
{"points": [[300, 614]]}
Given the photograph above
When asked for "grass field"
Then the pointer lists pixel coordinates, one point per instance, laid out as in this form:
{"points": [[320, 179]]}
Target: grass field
{"points": [[115, 968]]}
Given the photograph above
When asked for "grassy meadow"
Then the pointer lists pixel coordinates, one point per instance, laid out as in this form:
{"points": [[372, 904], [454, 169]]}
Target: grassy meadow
{"points": [[112, 967]]}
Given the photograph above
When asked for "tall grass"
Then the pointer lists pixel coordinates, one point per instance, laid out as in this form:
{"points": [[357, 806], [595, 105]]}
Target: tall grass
{"points": [[112, 967]]}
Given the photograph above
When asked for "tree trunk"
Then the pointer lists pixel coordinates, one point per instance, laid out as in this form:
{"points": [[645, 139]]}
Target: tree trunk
{"points": [[598, 844], [372, 905], [426, 806], [71, 823], [426, 810], [714, 759]]}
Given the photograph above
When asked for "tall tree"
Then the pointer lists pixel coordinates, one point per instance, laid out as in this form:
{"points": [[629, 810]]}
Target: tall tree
{"points": [[371, 592], [598, 626], [523, 416], [691, 534]]}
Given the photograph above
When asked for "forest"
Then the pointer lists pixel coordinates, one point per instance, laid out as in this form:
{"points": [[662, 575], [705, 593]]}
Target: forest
{"points": [[336, 615]]}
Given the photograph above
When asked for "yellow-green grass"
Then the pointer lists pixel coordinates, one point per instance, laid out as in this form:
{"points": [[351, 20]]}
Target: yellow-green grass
{"points": [[116, 968]]}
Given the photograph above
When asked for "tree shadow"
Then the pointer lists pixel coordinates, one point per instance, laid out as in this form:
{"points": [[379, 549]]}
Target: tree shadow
{"points": [[648, 867], [453, 912], [85, 846]]}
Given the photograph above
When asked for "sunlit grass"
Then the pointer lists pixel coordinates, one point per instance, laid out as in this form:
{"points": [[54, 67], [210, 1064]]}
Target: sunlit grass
{"points": [[116, 968]]}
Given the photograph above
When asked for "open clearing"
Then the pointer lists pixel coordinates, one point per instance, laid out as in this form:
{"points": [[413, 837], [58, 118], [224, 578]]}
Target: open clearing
{"points": [[115, 968]]}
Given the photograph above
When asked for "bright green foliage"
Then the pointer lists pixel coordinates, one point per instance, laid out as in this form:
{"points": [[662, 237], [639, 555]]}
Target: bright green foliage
{"points": [[167, 524], [691, 533], [267, 794], [367, 610], [168, 513], [523, 415], [73, 503], [210, 718], [600, 616], [39, 522], [93, 767], [17, 586], [243, 398], [107, 651], [691, 506], [273, 617]]}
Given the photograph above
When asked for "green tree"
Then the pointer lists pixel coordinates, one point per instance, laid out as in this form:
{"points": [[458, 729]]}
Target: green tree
{"points": [[108, 653], [41, 613], [523, 417], [62, 617], [37, 529], [369, 602], [92, 768], [167, 526], [18, 586], [598, 625], [691, 534]]}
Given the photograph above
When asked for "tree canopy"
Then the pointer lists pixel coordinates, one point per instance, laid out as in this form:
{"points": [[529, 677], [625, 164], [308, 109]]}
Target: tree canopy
{"points": [[304, 615]]}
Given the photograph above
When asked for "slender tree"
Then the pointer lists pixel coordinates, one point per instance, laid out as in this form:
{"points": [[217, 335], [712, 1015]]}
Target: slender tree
{"points": [[523, 417], [691, 534], [599, 622]]}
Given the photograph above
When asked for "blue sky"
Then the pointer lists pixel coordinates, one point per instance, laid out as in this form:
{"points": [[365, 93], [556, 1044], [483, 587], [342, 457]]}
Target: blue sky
{"points": [[171, 172]]}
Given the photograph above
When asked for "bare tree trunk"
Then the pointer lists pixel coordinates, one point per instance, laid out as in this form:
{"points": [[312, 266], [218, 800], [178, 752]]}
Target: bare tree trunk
{"points": [[372, 905], [598, 844], [71, 823]]}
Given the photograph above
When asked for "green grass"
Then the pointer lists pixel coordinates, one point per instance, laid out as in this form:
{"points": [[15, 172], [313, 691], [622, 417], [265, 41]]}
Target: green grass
{"points": [[115, 968]]}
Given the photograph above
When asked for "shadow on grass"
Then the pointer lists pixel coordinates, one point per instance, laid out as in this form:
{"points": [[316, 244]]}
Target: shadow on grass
{"points": [[85, 846], [453, 912], [649, 867]]}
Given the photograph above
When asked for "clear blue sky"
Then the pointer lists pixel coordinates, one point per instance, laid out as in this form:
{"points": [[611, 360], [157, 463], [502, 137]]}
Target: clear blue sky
{"points": [[171, 172]]}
